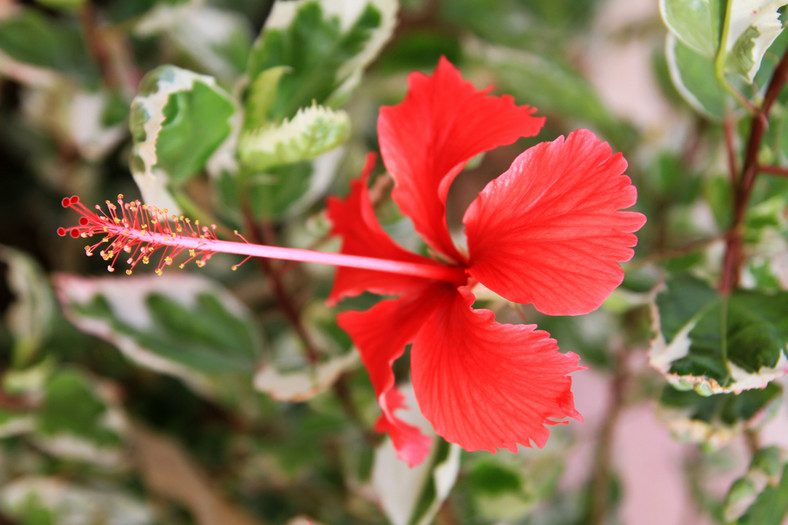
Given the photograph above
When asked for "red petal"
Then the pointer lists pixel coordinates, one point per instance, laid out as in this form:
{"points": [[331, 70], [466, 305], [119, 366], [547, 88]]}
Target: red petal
{"points": [[548, 231], [380, 334], [428, 138], [354, 220], [486, 385]]}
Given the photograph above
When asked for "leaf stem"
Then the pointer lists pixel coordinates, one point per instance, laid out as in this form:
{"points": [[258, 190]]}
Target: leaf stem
{"points": [[719, 63]]}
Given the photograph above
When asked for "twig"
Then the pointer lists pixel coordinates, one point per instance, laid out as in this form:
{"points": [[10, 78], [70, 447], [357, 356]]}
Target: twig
{"points": [[773, 170], [15, 403], [96, 45], [447, 515]]}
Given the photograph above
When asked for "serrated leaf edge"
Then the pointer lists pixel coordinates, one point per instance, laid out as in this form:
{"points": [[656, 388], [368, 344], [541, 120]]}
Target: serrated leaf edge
{"points": [[272, 140], [152, 181], [72, 289], [662, 355]]}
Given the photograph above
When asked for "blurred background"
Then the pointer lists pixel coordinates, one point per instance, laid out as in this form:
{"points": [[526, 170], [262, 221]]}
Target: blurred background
{"points": [[209, 396]]}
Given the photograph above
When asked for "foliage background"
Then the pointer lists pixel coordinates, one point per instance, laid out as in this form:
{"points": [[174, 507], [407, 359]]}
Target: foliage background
{"points": [[199, 433]]}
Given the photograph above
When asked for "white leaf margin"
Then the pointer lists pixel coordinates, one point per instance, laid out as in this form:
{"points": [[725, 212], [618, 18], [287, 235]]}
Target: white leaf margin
{"points": [[72, 503], [761, 15], [30, 316], [671, 43], [127, 295], [714, 436], [152, 181], [662, 355], [347, 11], [306, 384], [299, 134]]}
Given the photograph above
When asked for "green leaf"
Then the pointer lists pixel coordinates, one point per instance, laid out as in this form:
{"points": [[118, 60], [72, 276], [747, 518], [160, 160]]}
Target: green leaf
{"points": [[283, 190], [71, 407], [696, 23], [493, 478], [715, 421], [761, 495], [313, 130], [178, 120], [716, 343], [694, 77], [261, 96], [32, 38], [66, 5], [748, 27], [190, 328], [217, 41], [324, 44]]}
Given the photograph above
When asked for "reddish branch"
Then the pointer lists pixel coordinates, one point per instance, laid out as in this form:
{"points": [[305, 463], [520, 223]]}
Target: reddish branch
{"points": [[97, 46], [734, 256]]}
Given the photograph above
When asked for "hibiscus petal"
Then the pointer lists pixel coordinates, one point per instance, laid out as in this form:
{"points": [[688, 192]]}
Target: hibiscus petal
{"points": [[354, 220], [486, 385], [549, 230], [380, 334], [427, 139]]}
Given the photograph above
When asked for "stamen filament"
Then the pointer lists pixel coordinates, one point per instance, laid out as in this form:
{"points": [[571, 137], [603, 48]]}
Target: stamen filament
{"points": [[140, 230], [428, 271]]}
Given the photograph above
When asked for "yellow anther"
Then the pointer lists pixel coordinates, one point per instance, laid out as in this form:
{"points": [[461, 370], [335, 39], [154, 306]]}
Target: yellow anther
{"points": [[158, 271], [128, 272]]}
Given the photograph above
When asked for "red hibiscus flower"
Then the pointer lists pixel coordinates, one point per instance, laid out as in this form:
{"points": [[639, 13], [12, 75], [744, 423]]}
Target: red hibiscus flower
{"points": [[549, 231]]}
